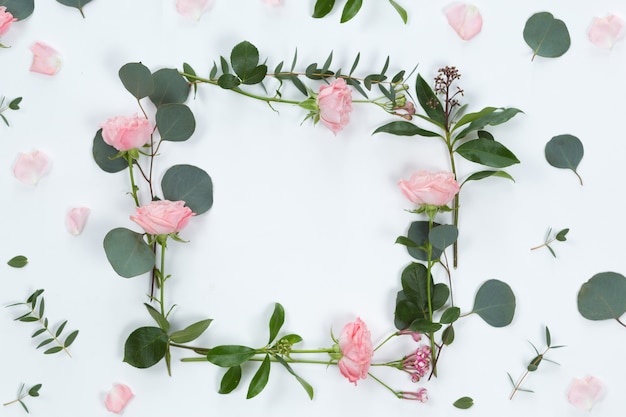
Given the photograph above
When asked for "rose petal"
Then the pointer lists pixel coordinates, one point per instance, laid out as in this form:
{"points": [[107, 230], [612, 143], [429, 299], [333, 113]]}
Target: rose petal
{"points": [[465, 19], [605, 31], [76, 219], [117, 398], [274, 2], [584, 393], [193, 9], [45, 59], [30, 167]]}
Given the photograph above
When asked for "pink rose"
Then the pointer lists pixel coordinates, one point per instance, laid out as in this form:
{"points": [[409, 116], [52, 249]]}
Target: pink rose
{"points": [[162, 217], [117, 398], [125, 133], [6, 19], [335, 104], [430, 188], [355, 343]]}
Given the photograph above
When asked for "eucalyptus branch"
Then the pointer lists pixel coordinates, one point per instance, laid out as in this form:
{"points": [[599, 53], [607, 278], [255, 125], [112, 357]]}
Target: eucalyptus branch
{"points": [[560, 237], [22, 394]]}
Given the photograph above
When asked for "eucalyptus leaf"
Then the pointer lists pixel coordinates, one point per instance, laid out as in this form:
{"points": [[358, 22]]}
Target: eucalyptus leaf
{"points": [[443, 236], [20, 9], [103, 154], [169, 87], [451, 315], [404, 128], [547, 36], [137, 79], [189, 184], [228, 356], [175, 122], [276, 321], [228, 81], [260, 378], [191, 332], [495, 303], [145, 347], [487, 152], [566, 152], [244, 59], [418, 233], [78, 4], [18, 261], [230, 380], [463, 403], [603, 297], [128, 253]]}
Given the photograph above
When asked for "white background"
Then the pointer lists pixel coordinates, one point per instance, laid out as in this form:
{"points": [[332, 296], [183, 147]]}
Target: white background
{"points": [[309, 219]]}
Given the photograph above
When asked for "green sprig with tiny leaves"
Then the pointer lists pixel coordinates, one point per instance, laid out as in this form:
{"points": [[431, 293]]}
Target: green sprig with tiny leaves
{"points": [[560, 237], [350, 9], [22, 394], [36, 306], [12, 105]]}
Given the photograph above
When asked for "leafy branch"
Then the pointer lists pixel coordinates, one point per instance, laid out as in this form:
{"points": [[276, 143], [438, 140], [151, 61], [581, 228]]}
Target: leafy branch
{"points": [[12, 105], [36, 306], [350, 9], [21, 395], [560, 236]]}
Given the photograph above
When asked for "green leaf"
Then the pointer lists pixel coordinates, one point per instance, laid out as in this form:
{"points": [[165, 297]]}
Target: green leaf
{"points": [[158, 317], [447, 337], [18, 261], [15, 103], [406, 311], [603, 297], [443, 236], [45, 342], [414, 279], [145, 347], [488, 118], [495, 303], [34, 390], [60, 329], [20, 9], [487, 152], [470, 117], [418, 233], [440, 294], [228, 356], [103, 154], [403, 128], [463, 403], [401, 11], [53, 350], [405, 241], [561, 235], [548, 337], [260, 378], [230, 380], [424, 326], [187, 69], [137, 79], [350, 10], [42, 307], [307, 387], [244, 59], [476, 176], [128, 253], [191, 332], [276, 321], [534, 363], [70, 338], [451, 315], [547, 36], [189, 184], [292, 339], [429, 102], [78, 4], [322, 8], [565, 151], [169, 87], [228, 81], [175, 122], [38, 332]]}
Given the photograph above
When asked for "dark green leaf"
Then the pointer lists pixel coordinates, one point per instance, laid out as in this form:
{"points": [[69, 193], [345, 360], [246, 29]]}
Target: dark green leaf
{"points": [[38, 332], [418, 233], [169, 87], [447, 337], [298, 84], [4, 119], [476, 176], [402, 128], [42, 307], [327, 62], [260, 378], [495, 303], [451, 315], [350, 10], [546, 36], [534, 363], [78, 4], [414, 280], [34, 390], [137, 79], [70, 338], [463, 403], [406, 311], [103, 154], [145, 347], [401, 11], [443, 236], [18, 261], [190, 71], [228, 81], [23, 405], [244, 58], [29, 319], [230, 380], [52, 350], [489, 118], [175, 122], [405, 241], [128, 253], [20, 9], [470, 117], [429, 102], [45, 342], [307, 387], [158, 317], [60, 329], [603, 297], [33, 298], [487, 152], [228, 356], [322, 8], [189, 184], [561, 235], [292, 339], [15, 103], [256, 75], [440, 294], [565, 151], [191, 332], [424, 326], [355, 63], [276, 321], [548, 337]]}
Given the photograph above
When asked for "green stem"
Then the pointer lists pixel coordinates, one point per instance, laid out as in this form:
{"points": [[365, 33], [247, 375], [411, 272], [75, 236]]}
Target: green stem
{"points": [[429, 264], [132, 179], [386, 340], [455, 214], [312, 350], [393, 391], [162, 281]]}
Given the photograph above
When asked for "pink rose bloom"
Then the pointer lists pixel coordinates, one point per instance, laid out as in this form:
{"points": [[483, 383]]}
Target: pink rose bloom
{"points": [[335, 104], [605, 31], [45, 59], [30, 167], [117, 398], [355, 343], [193, 9], [76, 219], [430, 188], [6, 20], [583, 393], [126, 133], [465, 19], [162, 217]]}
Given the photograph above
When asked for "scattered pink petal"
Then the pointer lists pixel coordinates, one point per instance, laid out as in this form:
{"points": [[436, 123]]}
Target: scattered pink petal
{"points": [[76, 219], [274, 2], [465, 19], [117, 398], [45, 59], [193, 9], [584, 393], [30, 167], [605, 31]]}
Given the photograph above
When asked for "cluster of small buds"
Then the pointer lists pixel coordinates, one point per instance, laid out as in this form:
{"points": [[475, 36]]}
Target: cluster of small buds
{"points": [[417, 364], [420, 395], [406, 111], [443, 82]]}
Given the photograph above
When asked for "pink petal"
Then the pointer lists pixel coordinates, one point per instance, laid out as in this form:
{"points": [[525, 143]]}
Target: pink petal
{"points": [[117, 398], [45, 59], [605, 31], [30, 167], [274, 2], [465, 19], [193, 9], [583, 393], [76, 219]]}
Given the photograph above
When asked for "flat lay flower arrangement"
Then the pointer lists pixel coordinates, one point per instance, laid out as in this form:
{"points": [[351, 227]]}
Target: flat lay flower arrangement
{"points": [[432, 278]]}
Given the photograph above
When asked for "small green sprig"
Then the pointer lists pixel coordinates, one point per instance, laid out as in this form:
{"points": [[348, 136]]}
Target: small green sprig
{"points": [[13, 105], [534, 364], [36, 306], [350, 9], [22, 394], [18, 261], [560, 236]]}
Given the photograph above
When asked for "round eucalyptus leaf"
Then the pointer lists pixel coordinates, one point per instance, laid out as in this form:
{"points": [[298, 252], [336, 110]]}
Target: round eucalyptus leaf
{"points": [[20, 9], [103, 154], [495, 303], [77, 4], [137, 79], [128, 253], [443, 236], [189, 184], [603, 297], [418, 233], [547, 36], [175, 122], [169, 87], [145, 347], [565, 151]]}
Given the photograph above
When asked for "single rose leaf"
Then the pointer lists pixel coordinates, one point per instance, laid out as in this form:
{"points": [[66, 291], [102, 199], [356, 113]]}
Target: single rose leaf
{"points": [[463, 403], [424, 326], [418, 233], [401, 11], [78, 4], [495, 303], [105, 155], [191, 332], [443, 236], [603, 297], [451, 315], [440, 295], [350, 10], [566, 152], [145, 347], [18, 261], [228, 356], [189, 184], [406, 312], [487, 152], [260, 378], [276, 321], [414, 280], [137, 79], [169, 87], [429, 102], [322, 8], [403, 128], [175, 122], [547, 36], [20, 9], [447, 336], [476, 176], [230, 380], [128, 253]]}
